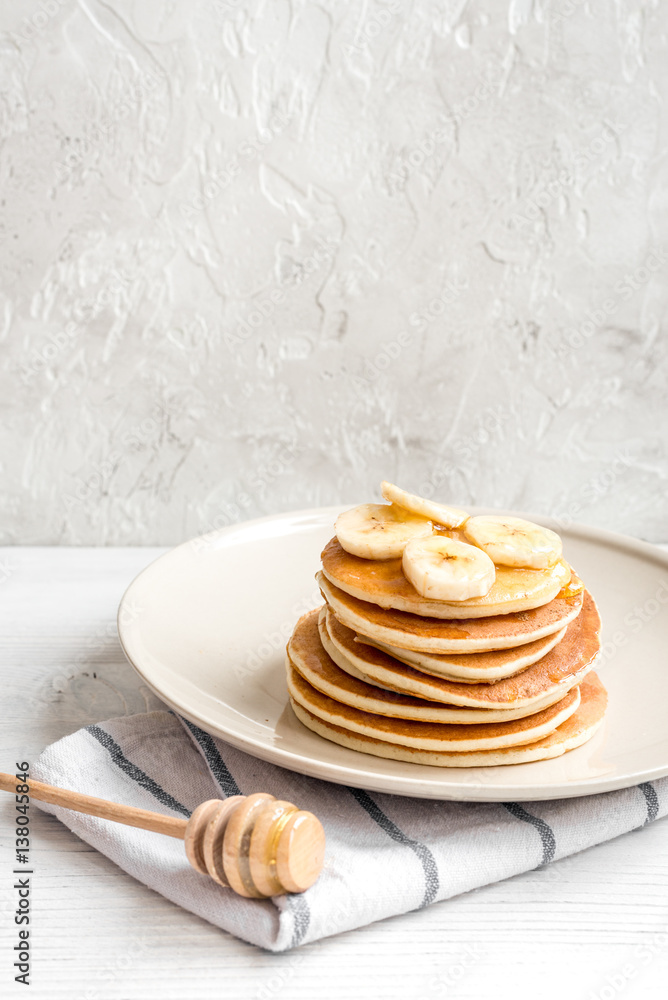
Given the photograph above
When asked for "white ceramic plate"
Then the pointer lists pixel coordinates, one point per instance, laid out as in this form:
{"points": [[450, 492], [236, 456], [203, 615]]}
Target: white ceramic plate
{"points": [[206, 625]]}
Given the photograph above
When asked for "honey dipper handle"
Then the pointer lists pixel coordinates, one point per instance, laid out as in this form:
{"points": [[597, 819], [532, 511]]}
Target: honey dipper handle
{"points": [[129, 815]]}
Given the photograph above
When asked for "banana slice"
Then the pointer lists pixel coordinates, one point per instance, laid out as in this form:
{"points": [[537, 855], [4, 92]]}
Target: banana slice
{"points": [[449, 517], [379, 530], [445, 569], [511, 541]]}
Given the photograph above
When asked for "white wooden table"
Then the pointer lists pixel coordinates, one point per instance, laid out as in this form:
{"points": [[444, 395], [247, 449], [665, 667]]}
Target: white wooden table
{"points": [[592, 926]]}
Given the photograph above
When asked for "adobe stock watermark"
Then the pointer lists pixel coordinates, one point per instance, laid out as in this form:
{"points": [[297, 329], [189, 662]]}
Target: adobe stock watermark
{"points": [[6, 571], [566, 10], [420, 320], [575, 337], [445, 982], [487, 427], [425, 148], [231, 513], [265, 307], [374, 25], [102, 637], [36, 22], [275, 642], [595, 488], [336, 920], [228, 8], [553, 189], [634, 622], [94, 481], [135, 950], [120, 281], [248, 150], [41, 357], [101, 132], [374, 367], [617, 982]]}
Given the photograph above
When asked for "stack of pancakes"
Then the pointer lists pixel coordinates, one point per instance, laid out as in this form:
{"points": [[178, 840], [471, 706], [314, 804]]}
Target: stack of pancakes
{"points": [[500, 679]]}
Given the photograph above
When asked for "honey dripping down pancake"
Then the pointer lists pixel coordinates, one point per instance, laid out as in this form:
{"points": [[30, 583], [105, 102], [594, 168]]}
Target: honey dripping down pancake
{"points": [[308, 652], [586, 626], [447, 639], [562, 668], [429, 688]]}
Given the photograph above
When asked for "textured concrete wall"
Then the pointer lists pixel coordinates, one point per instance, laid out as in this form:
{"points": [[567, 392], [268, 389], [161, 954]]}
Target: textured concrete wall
{"points": [[258, 255]]}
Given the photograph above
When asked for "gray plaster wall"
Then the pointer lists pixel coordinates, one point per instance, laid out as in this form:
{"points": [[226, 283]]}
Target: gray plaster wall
{"points": [[257, 256]]}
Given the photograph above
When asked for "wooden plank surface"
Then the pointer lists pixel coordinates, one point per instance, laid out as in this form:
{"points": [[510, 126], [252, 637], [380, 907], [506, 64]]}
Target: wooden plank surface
{"points": [[591, 926]]}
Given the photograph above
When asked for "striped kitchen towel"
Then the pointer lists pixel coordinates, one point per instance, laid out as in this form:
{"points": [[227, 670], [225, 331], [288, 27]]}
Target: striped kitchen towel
{"points": [[385, 854]]}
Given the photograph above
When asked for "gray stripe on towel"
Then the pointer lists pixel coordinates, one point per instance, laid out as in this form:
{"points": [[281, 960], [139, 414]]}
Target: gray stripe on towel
{"points": [[546, 832], [219, 768], [427, 859], [302, 918], [135, 772], [652, 800], [296, 903]]}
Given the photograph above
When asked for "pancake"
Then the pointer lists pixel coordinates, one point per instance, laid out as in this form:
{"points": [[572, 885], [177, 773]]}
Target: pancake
{"points": [[430, 735], [572, 733], [309, 656], [382, 582], [345, 664], [431, 635], [474, 668], [557, 672]]}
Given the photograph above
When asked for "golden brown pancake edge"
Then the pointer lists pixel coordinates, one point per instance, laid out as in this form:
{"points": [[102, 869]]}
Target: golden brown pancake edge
{"points": [[576, 731]]}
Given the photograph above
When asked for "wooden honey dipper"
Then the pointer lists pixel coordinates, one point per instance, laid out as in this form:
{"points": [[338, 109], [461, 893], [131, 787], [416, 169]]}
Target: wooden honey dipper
{"points": [[257, 845]]}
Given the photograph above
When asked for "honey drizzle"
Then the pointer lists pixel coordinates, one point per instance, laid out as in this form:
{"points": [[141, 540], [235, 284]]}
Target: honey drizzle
{"points": [[572, 589]]}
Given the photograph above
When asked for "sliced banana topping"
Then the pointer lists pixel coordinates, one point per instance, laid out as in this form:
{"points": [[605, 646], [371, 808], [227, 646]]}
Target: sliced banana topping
{"points": [[379, 530], [512, 541], [449, 517], [445, 569]]}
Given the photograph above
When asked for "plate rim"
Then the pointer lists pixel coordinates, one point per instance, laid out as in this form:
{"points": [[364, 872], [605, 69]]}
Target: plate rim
{"points": [[358, 777]]}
